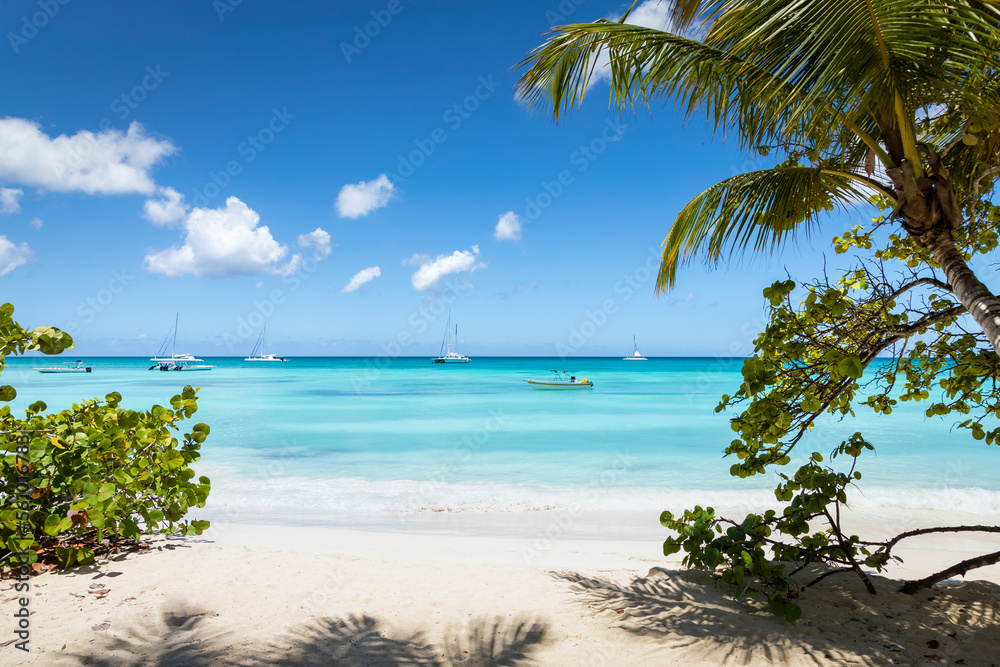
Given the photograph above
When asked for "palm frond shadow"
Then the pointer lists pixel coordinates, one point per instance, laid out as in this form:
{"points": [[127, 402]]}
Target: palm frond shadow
{"points": [[354, 640], [178, 638], [694, 611], [685, 610], [497, 642], [182, 640]]}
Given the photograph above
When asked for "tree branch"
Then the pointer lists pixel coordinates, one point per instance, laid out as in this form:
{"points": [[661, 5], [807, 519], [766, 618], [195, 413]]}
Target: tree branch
{"points": [[827, 574], [916, 283], [847, 554], [979, 180], [911, 587], [943, 529], [958, 137]]}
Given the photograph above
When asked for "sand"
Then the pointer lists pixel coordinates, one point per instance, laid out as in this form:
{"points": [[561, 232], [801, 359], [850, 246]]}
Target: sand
{"points": [[542, 588]]}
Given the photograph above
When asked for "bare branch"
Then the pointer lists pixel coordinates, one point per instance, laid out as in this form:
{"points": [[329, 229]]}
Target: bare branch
{"points": [[911, 587]]}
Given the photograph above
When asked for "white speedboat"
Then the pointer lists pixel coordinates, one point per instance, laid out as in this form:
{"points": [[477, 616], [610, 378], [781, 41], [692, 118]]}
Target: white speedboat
{"points": [[257, 354], [561, 380], [635, 354], [176, 362], [451, 345], [68, 367]]}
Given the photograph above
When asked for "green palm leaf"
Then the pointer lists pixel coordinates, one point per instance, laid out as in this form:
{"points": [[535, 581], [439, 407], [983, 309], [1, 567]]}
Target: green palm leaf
{"points": [[759, 210], [838, 80]]}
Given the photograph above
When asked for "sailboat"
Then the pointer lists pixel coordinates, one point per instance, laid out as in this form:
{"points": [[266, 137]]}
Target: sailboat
{"points": [[635, 355], [257, 354], [451, 345], [175, 362]]}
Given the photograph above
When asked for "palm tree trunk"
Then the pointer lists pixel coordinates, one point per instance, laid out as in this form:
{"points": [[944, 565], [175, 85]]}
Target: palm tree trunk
{"points": [[982, 304]]}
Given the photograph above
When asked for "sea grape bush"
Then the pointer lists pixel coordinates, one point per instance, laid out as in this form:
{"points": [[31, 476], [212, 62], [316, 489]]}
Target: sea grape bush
{"points": [[96, 473], [816, 360]]}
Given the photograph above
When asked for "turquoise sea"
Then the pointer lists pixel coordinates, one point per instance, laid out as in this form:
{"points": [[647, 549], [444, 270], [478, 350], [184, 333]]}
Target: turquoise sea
{"points": [[403, 434]]}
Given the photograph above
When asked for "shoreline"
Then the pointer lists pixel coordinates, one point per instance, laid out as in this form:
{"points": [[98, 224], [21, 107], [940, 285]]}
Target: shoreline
{"points": [[549, 537], [264, 590]]}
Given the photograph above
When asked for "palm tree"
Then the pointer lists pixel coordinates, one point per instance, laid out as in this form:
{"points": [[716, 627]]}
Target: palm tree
{"points": [[896, 99]]}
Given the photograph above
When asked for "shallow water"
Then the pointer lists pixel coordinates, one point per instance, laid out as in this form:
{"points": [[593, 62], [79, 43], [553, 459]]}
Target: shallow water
{"points": [[406, 434]]}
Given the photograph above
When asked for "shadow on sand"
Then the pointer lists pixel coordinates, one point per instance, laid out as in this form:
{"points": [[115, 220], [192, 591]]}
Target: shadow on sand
{"points": [[842, 624], [182, 640]]}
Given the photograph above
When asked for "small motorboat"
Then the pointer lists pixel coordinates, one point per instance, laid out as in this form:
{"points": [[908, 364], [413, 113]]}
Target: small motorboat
{"points": [[561, 380], [68, 367]]}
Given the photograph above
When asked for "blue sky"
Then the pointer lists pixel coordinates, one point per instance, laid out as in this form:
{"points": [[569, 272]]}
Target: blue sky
{"points": [[145, 147]]}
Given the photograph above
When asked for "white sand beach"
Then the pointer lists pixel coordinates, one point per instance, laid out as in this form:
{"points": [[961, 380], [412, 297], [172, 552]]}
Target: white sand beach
{"points": [[468, 589]]}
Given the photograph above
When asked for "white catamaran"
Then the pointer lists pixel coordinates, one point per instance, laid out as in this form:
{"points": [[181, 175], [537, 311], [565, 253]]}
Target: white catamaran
{"points": [[635, 355], [451, 345], [175, 362], [257, 354]]}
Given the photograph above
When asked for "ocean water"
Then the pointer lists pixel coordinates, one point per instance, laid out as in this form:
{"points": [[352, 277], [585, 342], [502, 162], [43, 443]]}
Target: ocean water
{"points": [[406, 435]]}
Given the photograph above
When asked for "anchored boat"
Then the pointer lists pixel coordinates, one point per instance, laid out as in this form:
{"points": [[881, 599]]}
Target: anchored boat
{"points": [[68, 367], [561, 380], [450, 344], [635, 355], [176, 362], [257, 354]]}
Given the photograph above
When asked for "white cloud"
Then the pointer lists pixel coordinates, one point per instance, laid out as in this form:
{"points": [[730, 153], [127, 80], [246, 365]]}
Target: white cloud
{"points": [[166, 209], [653, 14], [361, 277], [318, 240], [359, 199], [109, 162], [13, 256], [9, 200], [508, 227], [36, 223], [223, 242], [416, 259], [430, 272]]}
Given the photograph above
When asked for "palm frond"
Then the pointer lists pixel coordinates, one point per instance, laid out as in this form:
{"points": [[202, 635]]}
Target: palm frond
{"points": [[777, 70], [645, 64], [756, 211]]}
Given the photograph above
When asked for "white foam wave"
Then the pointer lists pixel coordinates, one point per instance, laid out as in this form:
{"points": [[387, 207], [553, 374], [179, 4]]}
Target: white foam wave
{"points": [[347, 494]]}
